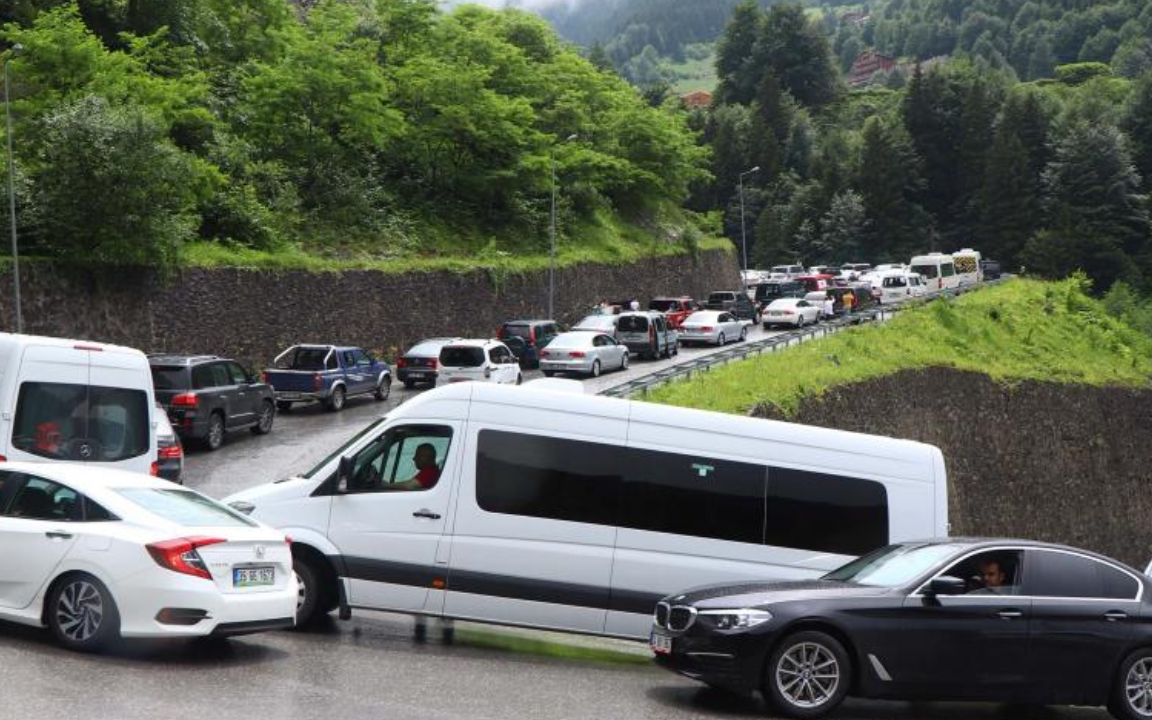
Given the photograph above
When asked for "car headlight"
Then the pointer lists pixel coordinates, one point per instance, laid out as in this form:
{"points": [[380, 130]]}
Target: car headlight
{"points": [[242, 507], [740, 619]]}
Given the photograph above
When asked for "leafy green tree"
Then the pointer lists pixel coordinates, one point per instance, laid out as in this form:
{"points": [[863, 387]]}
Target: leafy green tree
{"points": [[888, 181], [797, 52], [735, 54], [1138, 124], [844, 227], [933, 115]]}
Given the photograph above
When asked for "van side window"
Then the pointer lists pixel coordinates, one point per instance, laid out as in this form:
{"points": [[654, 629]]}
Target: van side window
{"points": [[826, 513], [81, 422], [548, 477], [947, 270], [405, 458]]}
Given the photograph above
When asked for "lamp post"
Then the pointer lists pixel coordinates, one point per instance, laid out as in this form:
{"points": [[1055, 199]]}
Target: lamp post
{"points": [[12, 188], [743, 235], [552, 236]]}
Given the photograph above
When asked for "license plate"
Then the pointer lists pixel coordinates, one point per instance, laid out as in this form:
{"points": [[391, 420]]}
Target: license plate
{"points": [[661, 643], [253, 576], [416, 374], [776, 313], [288, 396]]}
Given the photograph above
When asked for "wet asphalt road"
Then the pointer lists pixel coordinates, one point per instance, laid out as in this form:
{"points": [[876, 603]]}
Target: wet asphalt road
{"points": [[371, 666]]}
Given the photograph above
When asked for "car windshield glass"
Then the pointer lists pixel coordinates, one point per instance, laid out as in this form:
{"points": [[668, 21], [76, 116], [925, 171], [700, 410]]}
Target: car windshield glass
{"points": [[663, 305], [462, 356], [185, 507], [338, 452], [928, 271], [893, 566], [311, 358], [633, 323], [169, 378], [524, 331]]}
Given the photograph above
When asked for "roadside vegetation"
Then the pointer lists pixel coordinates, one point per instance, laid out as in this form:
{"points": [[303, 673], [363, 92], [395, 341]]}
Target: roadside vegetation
{"points": [[1021, 330]]}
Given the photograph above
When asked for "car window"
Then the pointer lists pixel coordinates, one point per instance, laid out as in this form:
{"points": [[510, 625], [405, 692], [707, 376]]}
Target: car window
{"points": [[996, 572], [892, 566], [305, 358], [405, 458], [802, 303], [523, 331], [220, 375], [239, 377], [1068, 575], [362, 359], [34, 498], [947, 270], [169, 377], [633, 323], [462, 356], [81, 422]]}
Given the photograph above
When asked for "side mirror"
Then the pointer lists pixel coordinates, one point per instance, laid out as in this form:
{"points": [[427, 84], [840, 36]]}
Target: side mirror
{"points": [[344, 475], [945, 585]]}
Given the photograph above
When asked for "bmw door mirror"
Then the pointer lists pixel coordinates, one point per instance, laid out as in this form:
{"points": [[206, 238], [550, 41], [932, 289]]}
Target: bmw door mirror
{"points": [[945, 585]]}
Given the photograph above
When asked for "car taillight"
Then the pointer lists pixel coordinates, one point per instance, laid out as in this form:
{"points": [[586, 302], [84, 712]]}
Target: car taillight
{"points": [[264, 378], [576, 353], [185, 400], [171, 452], [789, 312], [180, 555], [434, 364], [707, 329], [401, 362], [154, 469], [317, 382]]}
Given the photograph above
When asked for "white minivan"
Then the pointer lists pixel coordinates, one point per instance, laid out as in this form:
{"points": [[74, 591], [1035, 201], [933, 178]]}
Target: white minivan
{"points": [[76, 401], [533, 507], [938, 269]]}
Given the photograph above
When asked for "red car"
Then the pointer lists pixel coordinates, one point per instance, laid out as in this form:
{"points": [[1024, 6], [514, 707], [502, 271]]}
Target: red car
{"points": [[814, 283], [677, 309]]}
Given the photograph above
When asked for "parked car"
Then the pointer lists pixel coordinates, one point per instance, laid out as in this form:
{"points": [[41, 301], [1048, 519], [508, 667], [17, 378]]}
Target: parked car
{"points": [[770, 291], [578, 512], [791, 311], [899, 286], [648, 334], [98, 554], [833, 270], [813, 283], [421, 364], [525, 338], [583, 352], [982, 620], [789, 271], [735, 302], [478, 361], [853, 271], [76, 401], [990, 269], [865, 297], [169, 449], [206, 396], [676, 309], [599, 323], [328, 374], [713, 327]]}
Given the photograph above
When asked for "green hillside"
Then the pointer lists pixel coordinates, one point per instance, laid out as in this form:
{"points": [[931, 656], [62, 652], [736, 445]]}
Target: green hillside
{"points": [[1022, 330]]}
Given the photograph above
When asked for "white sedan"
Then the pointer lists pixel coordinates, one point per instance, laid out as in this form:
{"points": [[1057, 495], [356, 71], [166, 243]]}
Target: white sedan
{"points": [[712, 326], [791, 311], [98, 554], [587, 353]]}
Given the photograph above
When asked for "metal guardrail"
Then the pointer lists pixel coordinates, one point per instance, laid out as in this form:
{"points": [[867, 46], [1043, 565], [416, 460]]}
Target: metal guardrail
{"points": [[683, 371]]}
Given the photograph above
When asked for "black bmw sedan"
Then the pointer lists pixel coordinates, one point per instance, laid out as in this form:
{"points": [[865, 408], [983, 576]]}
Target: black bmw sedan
{"points": [[956, 619]]}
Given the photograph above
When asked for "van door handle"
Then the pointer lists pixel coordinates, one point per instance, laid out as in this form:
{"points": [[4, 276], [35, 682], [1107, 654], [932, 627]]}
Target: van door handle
{"points": [[426, 514], [1010, 614], [58, 535], [1114, 615]]}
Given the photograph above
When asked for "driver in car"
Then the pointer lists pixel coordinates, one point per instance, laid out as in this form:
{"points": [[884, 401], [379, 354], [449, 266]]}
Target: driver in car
{"points": [[993, 577], [427, 471]]}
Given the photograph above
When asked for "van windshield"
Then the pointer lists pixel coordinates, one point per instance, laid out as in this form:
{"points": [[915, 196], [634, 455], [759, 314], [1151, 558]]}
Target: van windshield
{"points": [[664, 305], [633, 323], [84, 423], [928, 271]]}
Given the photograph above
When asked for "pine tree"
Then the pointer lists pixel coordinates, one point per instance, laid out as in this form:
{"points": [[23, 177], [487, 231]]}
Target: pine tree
{"points": [[932, 115], [1138, 124], [844, 227], [977, 119], [887, 179], [598, 56], [1010, 197], [734, 54], [798, 53]]}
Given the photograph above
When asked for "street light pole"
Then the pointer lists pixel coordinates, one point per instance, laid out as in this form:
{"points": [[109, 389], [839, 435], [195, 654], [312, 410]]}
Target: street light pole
{"points": [[12, 190], [743, 234], [552, 236]]}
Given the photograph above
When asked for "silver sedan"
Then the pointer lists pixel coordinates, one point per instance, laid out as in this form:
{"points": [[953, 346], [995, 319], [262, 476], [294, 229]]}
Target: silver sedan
{"points": [[587, 353], [712, 326], [791, 311]]}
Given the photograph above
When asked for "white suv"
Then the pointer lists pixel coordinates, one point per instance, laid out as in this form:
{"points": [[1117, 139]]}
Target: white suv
{"points": [[478, 360]]}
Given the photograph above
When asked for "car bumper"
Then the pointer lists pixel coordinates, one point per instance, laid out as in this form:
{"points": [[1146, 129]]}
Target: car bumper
{"points": [[574, 366], [734, 663], [209, 611], [686, 336], [170, 470], [190, 425], [415, 375], [293, 396], [794, 320]]}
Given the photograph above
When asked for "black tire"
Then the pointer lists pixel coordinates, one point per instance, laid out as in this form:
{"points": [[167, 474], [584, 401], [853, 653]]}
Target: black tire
{"points": [[284, 406], [595, 368], [1137, 667], [263, 424], [519, 378], [383, 389], [794, 664], [743, 334], [82, 614], [721, 341], [409, 384], [624, 362], [214, 438], [335, 401], [676, 349], [311, 599]]}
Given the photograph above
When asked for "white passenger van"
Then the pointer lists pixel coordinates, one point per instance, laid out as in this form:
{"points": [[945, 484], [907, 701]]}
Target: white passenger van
{"points": [[76, 401], [968, 271], [939, 270], [527, 506]]}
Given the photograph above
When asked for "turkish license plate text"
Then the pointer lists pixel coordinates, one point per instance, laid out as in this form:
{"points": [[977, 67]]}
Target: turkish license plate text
{"points": [[289, 396], [661, 644], [253, 576]]}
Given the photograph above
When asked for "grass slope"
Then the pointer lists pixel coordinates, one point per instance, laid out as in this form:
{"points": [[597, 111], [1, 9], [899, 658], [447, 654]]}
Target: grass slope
{"points": [[1021, 330]]}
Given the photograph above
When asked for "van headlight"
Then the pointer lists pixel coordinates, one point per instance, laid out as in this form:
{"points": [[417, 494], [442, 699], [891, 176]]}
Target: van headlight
{"points": [[739, 619], [242, 507]]}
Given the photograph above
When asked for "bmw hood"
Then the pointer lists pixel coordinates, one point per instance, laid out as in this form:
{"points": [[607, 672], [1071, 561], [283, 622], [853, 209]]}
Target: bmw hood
{"points": [[767, 593]]}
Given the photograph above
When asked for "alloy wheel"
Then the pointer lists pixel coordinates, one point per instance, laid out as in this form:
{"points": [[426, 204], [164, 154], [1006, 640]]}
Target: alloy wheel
{"points": [[79, 611], [1138, 687], [267, 415], [808, 675], [215, 432], [301, 592]]}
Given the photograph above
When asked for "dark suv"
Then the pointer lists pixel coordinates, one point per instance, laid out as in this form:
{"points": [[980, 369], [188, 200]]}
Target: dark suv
{"points": [[526, 338], [736, 302], [206, 396]]}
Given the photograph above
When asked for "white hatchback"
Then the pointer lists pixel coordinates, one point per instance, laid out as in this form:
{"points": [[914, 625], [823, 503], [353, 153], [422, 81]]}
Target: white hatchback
{"points": [[478, 360], [99, 554]]}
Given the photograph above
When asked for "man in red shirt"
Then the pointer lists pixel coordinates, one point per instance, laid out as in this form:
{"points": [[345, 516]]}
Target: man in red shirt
{"points": [[427, 471]]}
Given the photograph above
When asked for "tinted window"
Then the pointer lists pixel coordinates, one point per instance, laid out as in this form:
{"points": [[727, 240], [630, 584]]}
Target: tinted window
{"points": [[928, 271], [38, 499], [81, 422], [549, 478], [462, 356], [664, 305], [238, 376], [220, 375], [687, 495], [202, 377], [633, 323], [185, 507], [1057, 574], [523, 331], [891, 282], [311, 358], [169, 378], [827, 513], [947, 270]]}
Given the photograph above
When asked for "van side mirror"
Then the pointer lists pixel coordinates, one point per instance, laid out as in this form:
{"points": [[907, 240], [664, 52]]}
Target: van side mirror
{"points": [[945, 585], [344, 475]]}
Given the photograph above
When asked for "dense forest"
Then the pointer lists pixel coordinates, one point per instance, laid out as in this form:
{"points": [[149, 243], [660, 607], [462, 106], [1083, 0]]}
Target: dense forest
{"points": [[383, 127], [1053, 175]]}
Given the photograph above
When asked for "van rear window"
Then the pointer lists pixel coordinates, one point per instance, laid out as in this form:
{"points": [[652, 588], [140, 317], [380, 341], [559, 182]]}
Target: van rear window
{"points": [[633, 323], [81, 423]]}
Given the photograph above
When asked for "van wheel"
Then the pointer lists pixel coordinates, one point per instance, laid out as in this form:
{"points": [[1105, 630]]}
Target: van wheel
{"points": [[310, 595], [283, 406], [82, 614], [808, 675], [383, 389], [595, 368], [215, 436], [335, 402], [263, 425]]}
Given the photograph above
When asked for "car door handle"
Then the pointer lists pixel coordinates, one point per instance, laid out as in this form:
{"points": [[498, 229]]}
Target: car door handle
{"points": [[1010, 614], [426, 514], [1114, 615], [58, 535]]}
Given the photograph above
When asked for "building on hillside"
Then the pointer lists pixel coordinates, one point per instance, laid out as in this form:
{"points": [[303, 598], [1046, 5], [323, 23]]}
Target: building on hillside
{"points": [[866, 65], [699, 100], [858, 19]]}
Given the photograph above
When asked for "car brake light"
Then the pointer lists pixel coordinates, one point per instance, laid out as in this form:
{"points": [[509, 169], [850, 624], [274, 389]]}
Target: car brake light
{"points": [[707, 329], [154, 469], [789, 312], [264, 378], [171, 452], [91, 348], [576, 354], [317, 382], [434, 364], [185, 400], [3, 458], [180, 555], [401, 362]]}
